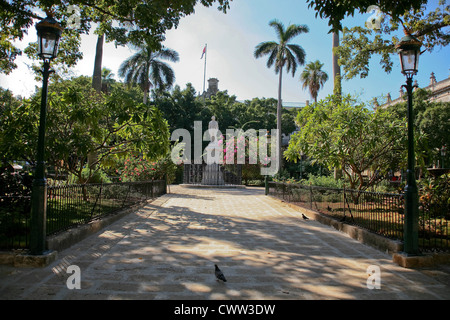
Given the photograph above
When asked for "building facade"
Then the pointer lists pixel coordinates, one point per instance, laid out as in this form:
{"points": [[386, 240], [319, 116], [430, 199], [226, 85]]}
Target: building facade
{"points": [[440, 92]]}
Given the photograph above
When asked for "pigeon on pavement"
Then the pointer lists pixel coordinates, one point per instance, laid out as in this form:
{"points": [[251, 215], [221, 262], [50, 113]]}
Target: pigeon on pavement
{"points": [[304, 217], [219, 274]]}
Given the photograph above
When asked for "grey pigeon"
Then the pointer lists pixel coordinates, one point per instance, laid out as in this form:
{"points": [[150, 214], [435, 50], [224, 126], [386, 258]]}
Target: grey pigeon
{"points": [[219, 274], [304, 217]]}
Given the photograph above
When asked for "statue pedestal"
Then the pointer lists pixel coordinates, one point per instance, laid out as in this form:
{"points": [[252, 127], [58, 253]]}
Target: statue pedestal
{"points": [[212, 174]]}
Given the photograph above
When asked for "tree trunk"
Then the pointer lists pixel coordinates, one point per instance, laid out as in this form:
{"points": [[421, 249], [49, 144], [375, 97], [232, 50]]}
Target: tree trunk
{"points": [[145, 94], [336, 86], [336, 68], [97, 76], [146, 88], [279, 110]]}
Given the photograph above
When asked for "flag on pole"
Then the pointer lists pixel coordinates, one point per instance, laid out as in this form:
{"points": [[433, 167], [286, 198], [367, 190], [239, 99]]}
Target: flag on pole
{"points": [[204, 51]]}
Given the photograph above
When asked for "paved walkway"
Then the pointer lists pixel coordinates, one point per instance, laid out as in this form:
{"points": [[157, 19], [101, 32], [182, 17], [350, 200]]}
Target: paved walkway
{"points": [[168, 249]]}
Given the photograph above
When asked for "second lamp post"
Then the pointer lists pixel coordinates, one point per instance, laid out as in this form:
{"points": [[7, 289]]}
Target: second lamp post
{"points": [[409, 52], [48, 32]]}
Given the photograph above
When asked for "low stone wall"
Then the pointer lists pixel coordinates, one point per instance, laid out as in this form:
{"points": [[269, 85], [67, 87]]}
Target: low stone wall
{"points": [[393, 247], [63, 240], [374, 240]]}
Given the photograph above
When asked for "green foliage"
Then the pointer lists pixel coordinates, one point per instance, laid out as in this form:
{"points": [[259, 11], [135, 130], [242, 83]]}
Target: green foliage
{"points": [[136, 168], [302, 169], [181, 107], [324, 181], [282, 175], [283, 54], [89, 175], [251, 172], [18, 128], [428, 22], [343, 134], [14, 184], [337, 90], [146, 69], [313, 78], [336, 10], [435, 196], [431, 126], [81, 122], [123, 22]]}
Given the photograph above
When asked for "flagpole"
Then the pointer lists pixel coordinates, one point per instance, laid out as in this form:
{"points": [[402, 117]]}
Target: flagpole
{"points": [[204, 72]]}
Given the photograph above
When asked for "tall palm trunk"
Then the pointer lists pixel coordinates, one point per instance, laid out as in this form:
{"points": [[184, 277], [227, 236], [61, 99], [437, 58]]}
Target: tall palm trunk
{"points": [[146, 92], [336, 85], [279, 110], [336, 68], [96, 81], [146, 88], [97, 76]]}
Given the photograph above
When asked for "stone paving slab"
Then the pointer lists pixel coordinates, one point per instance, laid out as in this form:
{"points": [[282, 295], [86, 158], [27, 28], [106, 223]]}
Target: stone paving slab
{"points": [[167, 250]]}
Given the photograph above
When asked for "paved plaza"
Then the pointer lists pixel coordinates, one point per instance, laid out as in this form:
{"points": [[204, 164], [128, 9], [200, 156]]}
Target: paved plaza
{"points": [[167, 250]]}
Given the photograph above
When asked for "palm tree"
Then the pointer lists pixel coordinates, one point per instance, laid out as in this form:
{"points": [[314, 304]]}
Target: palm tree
{"points": [[145, 69], [107, 79], [282, 54], [313, 78]]}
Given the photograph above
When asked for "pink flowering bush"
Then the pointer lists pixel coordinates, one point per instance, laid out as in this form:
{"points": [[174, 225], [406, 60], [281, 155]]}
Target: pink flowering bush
{"points": [[231, 154], [136, 168]]}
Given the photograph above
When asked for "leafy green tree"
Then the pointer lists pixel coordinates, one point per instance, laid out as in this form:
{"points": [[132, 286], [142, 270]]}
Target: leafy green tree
{"points": [[431, 127], [221, 105], [80, 123], [256, 114], [15, 130], [336, 10], [359, 44], [132, 21], [147, 70], [136, 168], [313, 78], [107, 76], [107, 79], [282, 54], [182, 107], [179, 107], [349, 136]]}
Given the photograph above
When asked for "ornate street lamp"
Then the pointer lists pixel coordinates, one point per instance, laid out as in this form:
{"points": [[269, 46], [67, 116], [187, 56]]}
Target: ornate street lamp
{"points": [[409, 52], [48, 32]]}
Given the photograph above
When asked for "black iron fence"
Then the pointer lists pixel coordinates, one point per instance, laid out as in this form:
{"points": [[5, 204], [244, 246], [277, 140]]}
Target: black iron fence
{"points": [[381, 213], [197, 174], [72, 205]]}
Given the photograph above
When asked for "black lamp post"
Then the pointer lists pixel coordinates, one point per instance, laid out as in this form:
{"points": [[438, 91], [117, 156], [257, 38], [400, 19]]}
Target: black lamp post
{"points": [[409, 51], [48, 32]]}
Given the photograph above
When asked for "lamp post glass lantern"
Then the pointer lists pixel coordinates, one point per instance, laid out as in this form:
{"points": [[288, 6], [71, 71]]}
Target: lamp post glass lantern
{"points": [[409, 51], [48, 32]]}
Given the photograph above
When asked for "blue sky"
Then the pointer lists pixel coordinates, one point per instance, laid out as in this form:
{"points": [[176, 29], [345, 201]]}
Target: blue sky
{"points": [[231, 40]]}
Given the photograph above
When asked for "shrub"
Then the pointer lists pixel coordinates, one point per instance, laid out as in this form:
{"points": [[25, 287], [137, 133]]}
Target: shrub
{"points": [[324, 181], [139, 169], [90, 176], [435, 196]]}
